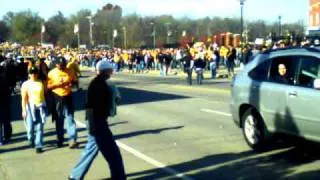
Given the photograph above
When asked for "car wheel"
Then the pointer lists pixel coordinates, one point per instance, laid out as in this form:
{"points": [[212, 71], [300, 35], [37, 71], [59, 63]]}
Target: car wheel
{"points": [[253, 129]]}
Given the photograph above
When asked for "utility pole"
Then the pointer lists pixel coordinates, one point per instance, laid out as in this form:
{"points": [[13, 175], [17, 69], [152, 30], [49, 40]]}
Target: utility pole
{"points": [[168, 32], [280, 25], [115, 34], [90, 31], [124, 37], [43, 30], [241, 8], [77, 31], [154, 34]]}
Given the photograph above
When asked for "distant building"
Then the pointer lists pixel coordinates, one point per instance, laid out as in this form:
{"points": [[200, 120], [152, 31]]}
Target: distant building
{"points": [[314, 17]]}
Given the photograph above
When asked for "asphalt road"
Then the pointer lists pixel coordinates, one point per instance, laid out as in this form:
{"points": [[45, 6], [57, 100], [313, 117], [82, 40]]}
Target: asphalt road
{"points": [[165, 130]]}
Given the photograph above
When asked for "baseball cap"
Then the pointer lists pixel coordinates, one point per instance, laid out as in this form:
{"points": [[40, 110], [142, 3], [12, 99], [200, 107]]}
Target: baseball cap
{"points": [[61, 60], [33, 70], [103, 65]]}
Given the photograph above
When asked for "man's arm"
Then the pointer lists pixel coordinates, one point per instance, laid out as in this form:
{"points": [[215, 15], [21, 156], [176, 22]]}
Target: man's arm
{"points": [[52, 85], [24, 101]]}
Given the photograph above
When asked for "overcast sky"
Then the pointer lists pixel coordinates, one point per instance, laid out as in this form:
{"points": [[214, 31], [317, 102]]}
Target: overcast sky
{"points": [[269, 10]]}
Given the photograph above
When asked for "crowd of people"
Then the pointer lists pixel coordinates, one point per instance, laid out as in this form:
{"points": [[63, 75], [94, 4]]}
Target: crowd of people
{"points": [[196, 58], [48, 88]]}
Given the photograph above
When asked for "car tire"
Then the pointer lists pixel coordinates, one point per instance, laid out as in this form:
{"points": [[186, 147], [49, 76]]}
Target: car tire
{"points": [[253, 129]]}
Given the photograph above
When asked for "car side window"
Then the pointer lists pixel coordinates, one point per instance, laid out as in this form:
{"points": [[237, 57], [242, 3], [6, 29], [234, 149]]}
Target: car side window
{"points": [[261, 72], [309, 72], [283, 70]]}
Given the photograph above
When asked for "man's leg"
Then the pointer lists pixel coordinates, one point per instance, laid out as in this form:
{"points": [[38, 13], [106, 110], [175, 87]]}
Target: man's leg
{"points": [[30, 127], [189, 72], [161, 69], [39, 134], [1, 133], [7, 127], [72, 129], [87, 157], [232, 67], [111, 153], [39, 130], [60, 128], [198, 77]]}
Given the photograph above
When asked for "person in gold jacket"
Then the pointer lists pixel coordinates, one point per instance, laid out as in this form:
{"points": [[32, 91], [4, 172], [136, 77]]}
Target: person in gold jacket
{"points": [[74, 69], [60, 83]]}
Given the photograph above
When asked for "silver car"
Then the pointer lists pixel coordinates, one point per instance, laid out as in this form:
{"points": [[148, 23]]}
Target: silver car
{"points": [[278, 92]]}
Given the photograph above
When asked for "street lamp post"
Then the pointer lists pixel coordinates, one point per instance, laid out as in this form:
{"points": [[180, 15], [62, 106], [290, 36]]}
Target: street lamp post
{"points": [[154, 34], [90, 31], [241, 6], [280, 28], [168, 32]]}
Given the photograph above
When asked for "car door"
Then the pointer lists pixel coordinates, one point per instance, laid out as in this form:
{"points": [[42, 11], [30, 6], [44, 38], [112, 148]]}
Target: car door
{"points": [[304, 99], [273, 99]]}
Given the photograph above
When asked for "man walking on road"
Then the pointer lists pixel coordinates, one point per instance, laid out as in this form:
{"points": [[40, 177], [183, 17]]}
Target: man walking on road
{"points": [[5, 103], [60, 82], [34, 108], [99, 105]]}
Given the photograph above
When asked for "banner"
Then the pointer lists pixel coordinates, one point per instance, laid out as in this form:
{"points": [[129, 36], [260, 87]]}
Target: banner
{"points": [[115, 33], [184, 33], [76, 28], [43, 29]]}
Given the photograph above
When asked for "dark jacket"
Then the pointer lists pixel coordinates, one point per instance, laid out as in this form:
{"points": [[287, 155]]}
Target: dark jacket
{"points": [[99, 102], [200, 63], [186, 60], [232, 55], [168, 59]]}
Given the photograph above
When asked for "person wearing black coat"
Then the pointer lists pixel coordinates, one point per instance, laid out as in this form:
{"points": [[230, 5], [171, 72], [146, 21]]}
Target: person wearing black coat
{"points": [[5, 102], [232, 55], [186, 61]]}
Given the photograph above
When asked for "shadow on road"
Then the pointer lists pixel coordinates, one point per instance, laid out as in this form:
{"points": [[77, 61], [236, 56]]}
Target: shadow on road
{"points": [[135, 96], [143, 132], [172, 80], [22, 137], [244, 165], [129, 96], [139, 133]]}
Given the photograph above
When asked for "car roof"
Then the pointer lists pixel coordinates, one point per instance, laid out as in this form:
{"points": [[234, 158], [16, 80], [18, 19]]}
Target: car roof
{"points": [[292, 50]]}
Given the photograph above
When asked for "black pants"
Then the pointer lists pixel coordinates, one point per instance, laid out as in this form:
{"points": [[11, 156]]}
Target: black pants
{"points": [[111, 153], [189, 74], [199, 77], [5, 121]]}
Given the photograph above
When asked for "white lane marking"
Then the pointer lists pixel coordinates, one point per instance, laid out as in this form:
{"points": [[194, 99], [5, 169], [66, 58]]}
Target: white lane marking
{"points": [[215, 112], [145, 158]]}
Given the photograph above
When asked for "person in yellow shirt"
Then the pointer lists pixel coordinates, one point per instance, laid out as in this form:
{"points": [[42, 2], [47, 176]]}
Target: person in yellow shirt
{"points": [[74, 69], [60, 82], [223, 54], [34, 108], [117, 61]]}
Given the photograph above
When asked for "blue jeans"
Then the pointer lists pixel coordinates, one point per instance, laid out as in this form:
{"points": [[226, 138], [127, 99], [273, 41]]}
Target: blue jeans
{"points": [[141, 66], [189, 75], [199, 76], [104, 142], [137, 67], [230, 67], [66, 114], [118, 67], [35, 127], [161, 69], [213, 69]]}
